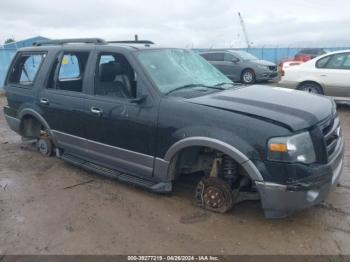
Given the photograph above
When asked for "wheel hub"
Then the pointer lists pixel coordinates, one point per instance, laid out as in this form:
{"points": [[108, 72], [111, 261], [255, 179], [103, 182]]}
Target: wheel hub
{"points": [[248, 76], [214, 194], [43, 147], [213, 197]]}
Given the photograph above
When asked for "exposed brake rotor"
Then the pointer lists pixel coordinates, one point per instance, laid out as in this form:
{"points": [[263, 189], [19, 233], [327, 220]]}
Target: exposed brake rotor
{"points": [[214, 194]]}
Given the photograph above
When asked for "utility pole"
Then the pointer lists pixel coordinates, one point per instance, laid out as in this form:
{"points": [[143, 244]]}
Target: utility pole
{"points": [[244, 30]]}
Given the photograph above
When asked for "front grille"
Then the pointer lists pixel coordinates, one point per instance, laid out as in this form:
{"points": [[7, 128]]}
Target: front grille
{"points": [[273, 68], [331, 133]]}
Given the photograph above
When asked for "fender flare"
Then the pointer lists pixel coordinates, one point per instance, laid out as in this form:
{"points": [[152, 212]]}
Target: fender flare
{"points": [[219, 145], [32, 112]]}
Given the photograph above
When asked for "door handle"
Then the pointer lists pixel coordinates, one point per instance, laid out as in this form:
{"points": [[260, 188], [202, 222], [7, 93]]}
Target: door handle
{"points": [[323, 75], [96, 111], [44, 101]]}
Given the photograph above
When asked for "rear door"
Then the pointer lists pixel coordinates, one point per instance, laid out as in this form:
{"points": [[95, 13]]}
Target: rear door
{"points": [[334, 74], [63, 101], [217, 59], [23, 80], [231, 67]]}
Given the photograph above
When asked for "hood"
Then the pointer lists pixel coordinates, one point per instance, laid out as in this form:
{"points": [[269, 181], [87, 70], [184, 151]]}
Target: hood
{"points": [[263, 62], [293, 109]]}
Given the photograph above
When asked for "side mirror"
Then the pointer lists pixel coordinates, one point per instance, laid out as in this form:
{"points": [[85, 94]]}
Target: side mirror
{"points": [[138, 100], [235, 60]]}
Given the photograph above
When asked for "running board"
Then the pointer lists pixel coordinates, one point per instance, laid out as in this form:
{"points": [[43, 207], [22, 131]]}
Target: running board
{"points": [[155, 186]]}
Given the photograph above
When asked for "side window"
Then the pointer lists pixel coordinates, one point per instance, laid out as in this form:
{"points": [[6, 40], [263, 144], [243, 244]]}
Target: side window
{"points": [[114, 77], [230, 57], [26, 69], [321, 63], [336, 61], [68, 71], [346, 64], [70, 67], [207, 56], [218, 56]]}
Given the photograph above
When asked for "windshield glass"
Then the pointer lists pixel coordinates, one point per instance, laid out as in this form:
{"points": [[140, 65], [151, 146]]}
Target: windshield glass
{"points": [[245, 55], [171, 69]]}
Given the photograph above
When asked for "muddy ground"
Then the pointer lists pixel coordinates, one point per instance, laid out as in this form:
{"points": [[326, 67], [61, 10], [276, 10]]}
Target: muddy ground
{"points": [[44, 211]]}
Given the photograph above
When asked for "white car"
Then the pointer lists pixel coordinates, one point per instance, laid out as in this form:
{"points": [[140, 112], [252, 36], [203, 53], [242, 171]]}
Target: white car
{"points": [[328, 74]]}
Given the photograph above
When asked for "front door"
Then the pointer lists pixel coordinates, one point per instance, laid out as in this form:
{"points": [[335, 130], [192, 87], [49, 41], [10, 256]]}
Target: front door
{"points": [[122, 118]]}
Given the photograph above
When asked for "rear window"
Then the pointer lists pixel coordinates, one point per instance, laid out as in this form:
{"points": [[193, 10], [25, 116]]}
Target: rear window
{"points": [[26, 68]]}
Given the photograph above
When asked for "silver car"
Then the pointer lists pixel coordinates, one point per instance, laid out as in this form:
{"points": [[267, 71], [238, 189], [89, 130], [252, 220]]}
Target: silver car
{"points": [[241, 66], [328, 75]]}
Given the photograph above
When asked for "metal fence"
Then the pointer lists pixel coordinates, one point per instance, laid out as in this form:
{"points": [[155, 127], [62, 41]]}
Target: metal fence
{"points": [[6, 56]]}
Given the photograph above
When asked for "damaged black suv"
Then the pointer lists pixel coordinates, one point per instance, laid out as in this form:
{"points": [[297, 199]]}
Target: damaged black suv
{"points": [[146, 115]]}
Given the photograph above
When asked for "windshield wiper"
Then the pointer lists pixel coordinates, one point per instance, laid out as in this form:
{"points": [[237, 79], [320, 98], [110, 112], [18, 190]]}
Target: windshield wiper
{"points": [[193, 85]]}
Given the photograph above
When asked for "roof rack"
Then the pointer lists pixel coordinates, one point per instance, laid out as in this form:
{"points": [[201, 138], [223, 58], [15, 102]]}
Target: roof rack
{"points": [[96, 41], [132, 42]]}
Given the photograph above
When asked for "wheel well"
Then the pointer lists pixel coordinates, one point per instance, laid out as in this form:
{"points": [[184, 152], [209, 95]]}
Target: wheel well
{"points": [[30, 126], [310, 82], [196, 159]]}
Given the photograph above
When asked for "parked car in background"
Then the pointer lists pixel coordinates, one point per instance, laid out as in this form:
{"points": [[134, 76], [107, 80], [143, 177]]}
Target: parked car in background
{"points": [[286, 64], [328, 74], [241, 66], [307, 54]]}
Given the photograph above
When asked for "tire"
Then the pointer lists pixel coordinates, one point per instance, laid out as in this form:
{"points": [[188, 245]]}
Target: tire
{"points": [[45, 146], [310, 88], [248, 77], [214, 194]]}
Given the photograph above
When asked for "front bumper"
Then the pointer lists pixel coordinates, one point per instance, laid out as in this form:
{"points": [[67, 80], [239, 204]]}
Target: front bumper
{"points": [[280, 200], [266, 75]]}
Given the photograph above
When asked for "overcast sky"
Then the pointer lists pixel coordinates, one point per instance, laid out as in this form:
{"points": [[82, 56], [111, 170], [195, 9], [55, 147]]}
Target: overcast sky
{"points": [[182, 23]]}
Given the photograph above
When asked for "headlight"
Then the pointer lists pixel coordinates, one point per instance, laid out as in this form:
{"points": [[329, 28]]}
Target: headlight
{"points": [[297, 148], [263, 66]]}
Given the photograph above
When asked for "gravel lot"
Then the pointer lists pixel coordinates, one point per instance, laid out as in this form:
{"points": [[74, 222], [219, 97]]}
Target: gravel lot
{"points": [[43, 212]]}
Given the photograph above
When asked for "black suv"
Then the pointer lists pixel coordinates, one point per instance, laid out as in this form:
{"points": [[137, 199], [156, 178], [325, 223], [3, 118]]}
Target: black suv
{"points": [[147, 115]]}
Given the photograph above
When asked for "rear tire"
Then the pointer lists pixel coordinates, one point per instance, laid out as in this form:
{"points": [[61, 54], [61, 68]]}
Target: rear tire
{"points": [[310, 88], [248, 77]]}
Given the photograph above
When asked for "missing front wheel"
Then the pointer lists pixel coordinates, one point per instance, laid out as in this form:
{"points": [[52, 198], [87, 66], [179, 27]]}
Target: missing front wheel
{"points": [[214, 194]]}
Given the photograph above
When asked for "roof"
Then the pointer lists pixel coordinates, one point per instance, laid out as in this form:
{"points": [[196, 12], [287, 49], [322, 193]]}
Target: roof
{"points": [[90, 47], [88, 43], [337, 52]]}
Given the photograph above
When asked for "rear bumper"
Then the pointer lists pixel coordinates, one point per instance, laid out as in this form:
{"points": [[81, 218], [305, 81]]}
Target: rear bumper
{"points": [[279, 200]]}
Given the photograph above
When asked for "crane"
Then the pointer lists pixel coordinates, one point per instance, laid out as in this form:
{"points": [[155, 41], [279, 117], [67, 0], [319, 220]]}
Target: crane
{"points": [[244, 30]]}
